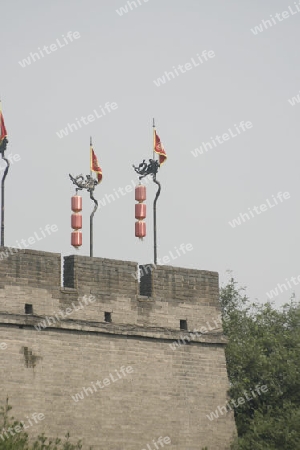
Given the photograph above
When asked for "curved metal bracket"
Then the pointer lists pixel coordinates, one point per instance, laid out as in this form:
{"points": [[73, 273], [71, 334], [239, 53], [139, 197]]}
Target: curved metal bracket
{"points": [[145, 169], [89, 184]]}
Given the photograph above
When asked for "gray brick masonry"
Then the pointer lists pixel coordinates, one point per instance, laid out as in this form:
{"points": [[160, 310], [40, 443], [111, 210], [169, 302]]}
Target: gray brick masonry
{"points": [[168, 393]]}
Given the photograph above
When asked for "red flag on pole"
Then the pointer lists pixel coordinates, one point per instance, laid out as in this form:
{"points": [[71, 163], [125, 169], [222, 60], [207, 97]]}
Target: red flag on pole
{"points": [[159, 148], [3, 132], [95, 165]]}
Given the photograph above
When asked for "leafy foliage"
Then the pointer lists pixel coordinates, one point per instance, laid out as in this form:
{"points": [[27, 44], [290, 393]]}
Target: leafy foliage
{"points": [[263, 349], [20, 440]]}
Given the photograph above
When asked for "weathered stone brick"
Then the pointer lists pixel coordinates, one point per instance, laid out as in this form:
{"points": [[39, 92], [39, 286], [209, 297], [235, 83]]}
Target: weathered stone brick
{"points": [[171, 389]]}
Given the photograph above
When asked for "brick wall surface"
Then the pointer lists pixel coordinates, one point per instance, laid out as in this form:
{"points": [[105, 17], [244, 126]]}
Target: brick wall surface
{"points": [[170, 390]]}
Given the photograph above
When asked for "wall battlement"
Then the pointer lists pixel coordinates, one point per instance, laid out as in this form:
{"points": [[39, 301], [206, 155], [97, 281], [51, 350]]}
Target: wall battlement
{"points": [[43, 269], [164, 296], [178, 283], [31, 267], [105, 275]]}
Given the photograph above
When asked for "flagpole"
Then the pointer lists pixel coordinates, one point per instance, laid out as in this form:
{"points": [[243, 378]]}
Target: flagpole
{"points": [[93, 212], [91, 144], [154, 219], [3, 146], [2, 198], [155, 200], [153, 138]]}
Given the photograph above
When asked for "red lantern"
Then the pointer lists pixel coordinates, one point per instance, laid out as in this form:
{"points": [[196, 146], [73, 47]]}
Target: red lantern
{"points": [[140, 229], [140, 193], [76, 221], [76, 203], [140, 211], [76, 238]]}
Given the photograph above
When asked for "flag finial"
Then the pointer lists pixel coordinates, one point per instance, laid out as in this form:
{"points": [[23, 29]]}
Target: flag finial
{"points": [[91, 140], [153, 122]]}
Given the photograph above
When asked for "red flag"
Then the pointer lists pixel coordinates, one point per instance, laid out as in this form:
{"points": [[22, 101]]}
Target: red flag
{"points": [[95, 165], [3, 132], [159, 148]]}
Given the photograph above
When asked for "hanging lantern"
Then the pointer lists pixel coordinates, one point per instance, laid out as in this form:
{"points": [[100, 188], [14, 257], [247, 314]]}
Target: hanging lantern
{"points": [[76, 203], [140, 193], [140, 211], [76, 238], [140, 229], [76, 221]]}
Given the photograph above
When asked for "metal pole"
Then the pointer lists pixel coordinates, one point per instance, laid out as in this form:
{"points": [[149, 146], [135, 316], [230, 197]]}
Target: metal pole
{"points": [[156, 197], [91, 235], [154, 138], [2, 198], [91, 146], [151, 169], [92, 215], [154, 218], [91, 224]]}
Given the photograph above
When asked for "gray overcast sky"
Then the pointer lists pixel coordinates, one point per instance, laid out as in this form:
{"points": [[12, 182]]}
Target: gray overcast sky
{"points": [[116, 59]]}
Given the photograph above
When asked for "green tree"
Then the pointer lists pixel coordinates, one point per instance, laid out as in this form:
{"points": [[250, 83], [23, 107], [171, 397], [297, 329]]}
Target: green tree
{"points": [[263, 349], [20, 440]]}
